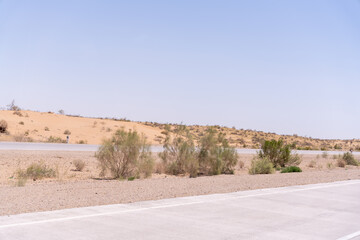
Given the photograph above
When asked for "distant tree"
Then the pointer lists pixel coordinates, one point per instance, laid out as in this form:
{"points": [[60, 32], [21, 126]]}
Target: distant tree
{"points": [[13, 107], [62, 112]]}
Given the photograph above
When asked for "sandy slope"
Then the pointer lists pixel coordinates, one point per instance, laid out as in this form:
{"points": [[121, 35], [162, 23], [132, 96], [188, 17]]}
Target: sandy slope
{"points": [[90, 130], [31, 126]]}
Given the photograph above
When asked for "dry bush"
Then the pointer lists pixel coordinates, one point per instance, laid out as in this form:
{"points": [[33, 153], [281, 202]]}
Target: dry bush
{"points": [[341, 163], [330, 165], [145, 165], [53, 139], [21, 123], [67, 132], [3, 126], [21, 178], [122, 154], [35, 171], [79, 165], [159, 168], [261, 166], [22, 138], [241, 164], [312, 164], [324, 155], [18, 113], [350, 159], [81, 142], [46, 129]]}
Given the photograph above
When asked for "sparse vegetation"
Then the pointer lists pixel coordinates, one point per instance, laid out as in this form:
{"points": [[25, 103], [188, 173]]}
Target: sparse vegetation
{"points": [[261, 165], [67, 132], [53, 139], [79, 165], [81, 142], [122, 154], [291, 169], [349, 159], [214, 155], [46, 129], [18, 113], [21, 123], [35, 171], [324, 155], [3, 126], [22, 138]]}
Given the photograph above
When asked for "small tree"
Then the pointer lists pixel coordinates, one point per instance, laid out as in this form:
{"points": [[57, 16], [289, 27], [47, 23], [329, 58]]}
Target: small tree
{"points": [[123, 153], [278, 153], [13, 107], [215, 154]]}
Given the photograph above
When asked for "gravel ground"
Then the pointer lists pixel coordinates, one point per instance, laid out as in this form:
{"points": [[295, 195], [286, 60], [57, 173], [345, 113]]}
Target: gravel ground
{"points": [[54, 195], [80, 189]]}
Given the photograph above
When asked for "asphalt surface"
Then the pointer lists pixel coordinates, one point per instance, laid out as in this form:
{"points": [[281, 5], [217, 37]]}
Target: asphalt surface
{"points": [[318, 211], [93, 148]]}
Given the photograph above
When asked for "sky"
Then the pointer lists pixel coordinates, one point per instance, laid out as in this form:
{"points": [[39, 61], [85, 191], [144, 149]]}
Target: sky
{"points": [[289, 67]]}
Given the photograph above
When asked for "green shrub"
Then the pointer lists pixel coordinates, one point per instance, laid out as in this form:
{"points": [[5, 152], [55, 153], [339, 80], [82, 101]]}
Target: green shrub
{"points": [[349, 159], [3, 126], [145, 164], [261, 166], [179, 155], [215, 154], [278, 153], [291, 169], [122, 154]]}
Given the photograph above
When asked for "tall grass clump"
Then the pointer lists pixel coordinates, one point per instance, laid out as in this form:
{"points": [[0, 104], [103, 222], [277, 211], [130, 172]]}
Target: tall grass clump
{"points": [[179, 155], [216, 156], [123, 153], [261, 166], [349, 159], [278, 153]]}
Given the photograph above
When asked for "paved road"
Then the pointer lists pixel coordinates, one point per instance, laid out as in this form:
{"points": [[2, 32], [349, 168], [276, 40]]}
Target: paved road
{"points": [[318, 211], [93, 148]]}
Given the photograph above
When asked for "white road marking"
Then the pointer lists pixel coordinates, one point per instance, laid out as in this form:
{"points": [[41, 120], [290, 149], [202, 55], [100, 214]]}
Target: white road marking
{"points": [[350, 236], [335, 184]]}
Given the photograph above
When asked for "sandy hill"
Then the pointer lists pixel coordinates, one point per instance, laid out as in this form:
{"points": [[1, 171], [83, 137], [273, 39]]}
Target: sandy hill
{"points": [[51, 127]]}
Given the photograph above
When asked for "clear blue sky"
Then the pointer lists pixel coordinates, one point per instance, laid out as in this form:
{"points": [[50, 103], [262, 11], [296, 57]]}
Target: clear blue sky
{"points": [[279, 66]]}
